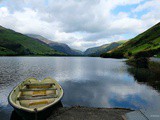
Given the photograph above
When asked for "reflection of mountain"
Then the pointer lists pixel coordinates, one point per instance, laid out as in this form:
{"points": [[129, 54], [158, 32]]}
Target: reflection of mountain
{"points": [[146, 76]]}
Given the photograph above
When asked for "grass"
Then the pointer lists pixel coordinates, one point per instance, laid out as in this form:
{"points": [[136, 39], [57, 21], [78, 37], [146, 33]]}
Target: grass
{"points": [[5, 51]]}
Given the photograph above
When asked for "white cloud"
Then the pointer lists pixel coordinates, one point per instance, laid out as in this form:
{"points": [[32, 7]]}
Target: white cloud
{"points": [[152, 4], [152, 10], [78, 23]]}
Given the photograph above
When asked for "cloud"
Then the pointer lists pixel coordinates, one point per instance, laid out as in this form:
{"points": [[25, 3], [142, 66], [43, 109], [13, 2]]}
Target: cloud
{"points": [[152, 4], [81, 24]]}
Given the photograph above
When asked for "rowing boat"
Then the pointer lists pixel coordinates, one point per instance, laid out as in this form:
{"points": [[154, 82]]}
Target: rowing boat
{"points": [[33, 98]]}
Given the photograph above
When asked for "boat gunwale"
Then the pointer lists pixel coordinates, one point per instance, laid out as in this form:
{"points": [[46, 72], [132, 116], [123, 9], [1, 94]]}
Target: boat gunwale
{"points": [[14, 105]]}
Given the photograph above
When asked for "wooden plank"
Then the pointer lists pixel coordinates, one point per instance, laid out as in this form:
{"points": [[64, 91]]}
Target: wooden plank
{"points": [[136, 115], [39, 93], [38, 103], [37, 89], [151, 114], [38, 84], [37, 97]]}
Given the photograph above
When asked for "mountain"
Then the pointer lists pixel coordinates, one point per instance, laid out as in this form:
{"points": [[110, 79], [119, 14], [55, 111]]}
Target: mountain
{"points": [[97, 51], [57, 46], [146, 44], [14, 43], [39, 37], [65, 48]]}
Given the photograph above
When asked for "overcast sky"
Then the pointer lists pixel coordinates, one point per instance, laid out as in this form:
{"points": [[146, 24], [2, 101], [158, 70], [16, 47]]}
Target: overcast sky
{"points": [[80, 23]]}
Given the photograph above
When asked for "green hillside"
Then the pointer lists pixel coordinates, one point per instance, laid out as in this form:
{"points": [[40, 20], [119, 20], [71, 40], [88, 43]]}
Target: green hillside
{"points": [[13, 43], [146, 44], [97, 51]]}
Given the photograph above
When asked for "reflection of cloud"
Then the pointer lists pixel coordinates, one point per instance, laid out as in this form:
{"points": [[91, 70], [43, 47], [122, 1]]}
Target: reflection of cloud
{"points": [[91, 82], [141, 96], [100, 93], [123, 90]]}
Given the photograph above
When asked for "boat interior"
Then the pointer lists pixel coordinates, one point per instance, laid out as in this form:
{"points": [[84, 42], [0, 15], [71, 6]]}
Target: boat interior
{"points": [[35, 94]]}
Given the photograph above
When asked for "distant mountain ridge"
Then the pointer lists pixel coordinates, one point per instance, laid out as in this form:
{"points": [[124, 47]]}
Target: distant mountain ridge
{"points": [[62, 47], [97, 51], [39, 37], [144, 44], [13, 43]]}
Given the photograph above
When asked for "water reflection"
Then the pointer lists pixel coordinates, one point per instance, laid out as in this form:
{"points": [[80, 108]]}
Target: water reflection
{"points": [[109, 93], [15, 116], [92, 82], [5, 112], [146, 76]]}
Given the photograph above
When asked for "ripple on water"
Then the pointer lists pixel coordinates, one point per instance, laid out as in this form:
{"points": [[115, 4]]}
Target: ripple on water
{"points": [[92, 82]]}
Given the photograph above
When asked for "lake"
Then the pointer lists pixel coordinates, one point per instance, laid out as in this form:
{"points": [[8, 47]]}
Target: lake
{"points": [[87, 81]]}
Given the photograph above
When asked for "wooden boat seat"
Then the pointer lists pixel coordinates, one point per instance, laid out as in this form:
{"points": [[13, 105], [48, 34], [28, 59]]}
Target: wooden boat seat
{"points": [[37, 89], [44, 102], [38, 84], [37, 97]]}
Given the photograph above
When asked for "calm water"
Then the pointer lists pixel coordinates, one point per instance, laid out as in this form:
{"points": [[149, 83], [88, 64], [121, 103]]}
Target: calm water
{"points": [[92, 82]]}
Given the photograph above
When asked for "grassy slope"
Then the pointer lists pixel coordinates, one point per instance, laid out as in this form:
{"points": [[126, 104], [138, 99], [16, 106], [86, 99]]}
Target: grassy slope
{"points": [[148, 40], [13, 43]]}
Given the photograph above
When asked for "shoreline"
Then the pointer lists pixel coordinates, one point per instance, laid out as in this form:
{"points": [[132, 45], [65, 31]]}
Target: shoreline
{"points": [[58, 112], [88, 113], [82, 113]]}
